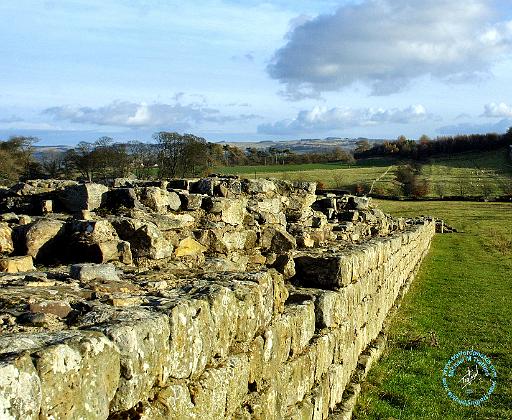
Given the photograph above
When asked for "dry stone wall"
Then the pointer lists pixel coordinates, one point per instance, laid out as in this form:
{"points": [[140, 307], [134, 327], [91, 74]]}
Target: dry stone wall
{"points": [[223, 298]]}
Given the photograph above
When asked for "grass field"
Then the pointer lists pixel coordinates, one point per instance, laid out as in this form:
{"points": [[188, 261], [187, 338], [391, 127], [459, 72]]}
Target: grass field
{"points": [[462, 296], [467, 174]]}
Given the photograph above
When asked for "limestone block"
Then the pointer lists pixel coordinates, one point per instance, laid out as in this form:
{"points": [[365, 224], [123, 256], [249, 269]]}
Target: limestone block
{"points": [[267, 404], [298, 205], [277, 240], [297, 377], [82, 197], [87, 272], [79, 377], [302, 325], [115, 250], [16, 264], [191, 336], [302, 411], [6, 244], [121, 198], [143, 341], [258, 186], [171, 402], [253, 313], [256, 362], [320, 399], [158, 199], [46, 206], [273, 287], [166, 222], [97, 241], [205, 186], [20, 388], [41, 238], [192, 202], [231, 211], [267, 210], [285, 264], [325, 271], [338, 376], [219, 391], [145, 239], [189, 247], [238, 240], [224, 308], [277, 345], [331, 308]]}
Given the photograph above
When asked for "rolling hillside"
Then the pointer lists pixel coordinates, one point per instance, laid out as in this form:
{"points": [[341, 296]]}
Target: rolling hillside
{"points": [[468, 174]]}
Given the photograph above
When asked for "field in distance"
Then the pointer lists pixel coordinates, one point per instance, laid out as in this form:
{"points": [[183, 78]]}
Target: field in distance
{"points": [[464, 174]]}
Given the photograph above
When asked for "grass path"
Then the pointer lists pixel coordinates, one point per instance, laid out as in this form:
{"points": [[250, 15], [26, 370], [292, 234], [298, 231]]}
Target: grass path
{"points": [[462, 296]]}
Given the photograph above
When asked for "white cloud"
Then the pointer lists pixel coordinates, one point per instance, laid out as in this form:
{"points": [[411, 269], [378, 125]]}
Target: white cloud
{"points": [[322, 119], [137, 115], [469, 128], [387, 43], [495, 110]]}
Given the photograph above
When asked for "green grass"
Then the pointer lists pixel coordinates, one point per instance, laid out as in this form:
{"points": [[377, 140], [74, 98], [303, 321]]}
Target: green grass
{"points": [[463, 296], [467, 174], [488, 173]]}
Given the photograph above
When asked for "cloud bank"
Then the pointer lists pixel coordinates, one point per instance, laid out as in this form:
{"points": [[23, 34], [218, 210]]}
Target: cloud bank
{"points": [[385, 44], [495, 110], [321, 119], [140, 115]]}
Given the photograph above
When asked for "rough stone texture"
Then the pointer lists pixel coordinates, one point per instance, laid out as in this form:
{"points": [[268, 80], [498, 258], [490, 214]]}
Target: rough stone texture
{"points": [[189, 247], [16, 264], [20, 388], [145, 239], [41, 239], [159, 200], [87, 272], [79, 377], [6, 244], [251, 299], [82, 197]]}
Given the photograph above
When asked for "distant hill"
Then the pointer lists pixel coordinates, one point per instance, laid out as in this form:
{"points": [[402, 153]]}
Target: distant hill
{"points": [[40, 151], [303, 145]]}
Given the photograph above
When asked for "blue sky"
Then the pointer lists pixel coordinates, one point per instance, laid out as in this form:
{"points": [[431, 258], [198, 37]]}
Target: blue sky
{"points": [[245, 70]]}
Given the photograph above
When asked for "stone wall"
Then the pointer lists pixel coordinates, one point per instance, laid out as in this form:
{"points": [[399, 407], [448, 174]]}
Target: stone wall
{"points": [[278, 340]]}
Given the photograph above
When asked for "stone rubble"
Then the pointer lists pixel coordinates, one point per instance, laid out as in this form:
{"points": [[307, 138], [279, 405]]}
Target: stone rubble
{"points": [[218, 298]]}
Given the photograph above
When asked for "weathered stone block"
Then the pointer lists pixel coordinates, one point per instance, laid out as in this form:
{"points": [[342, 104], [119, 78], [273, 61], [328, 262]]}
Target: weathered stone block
{"points": [[41, 239], [302, 325], [325, 271], [191, 336], [189, 247], [6, 244], [87, 272], [158, 199], [143, 342], [79, 377], [231, 211], [145, 239], [82, 197], [219, 391], [16, 264], [20, 388]]}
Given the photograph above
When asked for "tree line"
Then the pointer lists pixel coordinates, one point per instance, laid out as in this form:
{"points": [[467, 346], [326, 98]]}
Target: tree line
{"points": [[426, 147], [170, 155], [174, 155]]}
